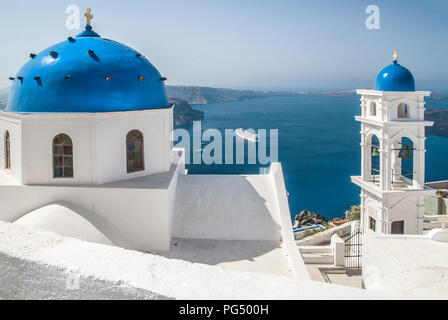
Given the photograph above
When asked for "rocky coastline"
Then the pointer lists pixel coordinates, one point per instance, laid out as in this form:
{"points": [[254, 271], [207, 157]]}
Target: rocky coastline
{"points": [[308, 218], [184, 114]]}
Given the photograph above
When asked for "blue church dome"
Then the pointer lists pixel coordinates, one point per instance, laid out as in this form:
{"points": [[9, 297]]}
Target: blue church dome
{"points": [[87, 74], [395, 77]]}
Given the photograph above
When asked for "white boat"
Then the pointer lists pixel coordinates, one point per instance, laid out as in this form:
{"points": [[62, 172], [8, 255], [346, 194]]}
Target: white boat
{"points": [[246, 134]]}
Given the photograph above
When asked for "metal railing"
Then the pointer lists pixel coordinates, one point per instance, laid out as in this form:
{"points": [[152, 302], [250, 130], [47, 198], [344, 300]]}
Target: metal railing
{"points": [[373, 174], [353, 252], [403, 175]]}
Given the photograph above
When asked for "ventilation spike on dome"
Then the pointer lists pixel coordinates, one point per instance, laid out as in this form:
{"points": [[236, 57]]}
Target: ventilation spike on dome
{"points": [[108, 78], [38, 81], [53, 54], [141, 78], [71, 39], [67, 77], [93, 55], [20, 79], [32, 55], [11, 78], [138, 55], [163, 79]]}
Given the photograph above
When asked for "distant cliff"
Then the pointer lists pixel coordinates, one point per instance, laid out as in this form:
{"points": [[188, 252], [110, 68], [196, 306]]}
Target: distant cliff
{"points": [[184, 114], [440, 118], [204, 95], [4, 97]]}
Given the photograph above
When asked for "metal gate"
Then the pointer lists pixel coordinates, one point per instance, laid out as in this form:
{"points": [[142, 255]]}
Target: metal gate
{"points": [[353, 252]]}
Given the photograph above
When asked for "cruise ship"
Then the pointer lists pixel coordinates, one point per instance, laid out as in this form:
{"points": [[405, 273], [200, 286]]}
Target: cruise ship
{"points": [[245, 134]]}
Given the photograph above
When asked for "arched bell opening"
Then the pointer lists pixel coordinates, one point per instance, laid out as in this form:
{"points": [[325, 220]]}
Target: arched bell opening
{"points": [[372, 109], [372, 156], [375, 159], [403, 111], [403, 162]]}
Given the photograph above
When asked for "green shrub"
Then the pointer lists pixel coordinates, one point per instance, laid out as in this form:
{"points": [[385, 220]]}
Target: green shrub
{"points": [[442, 193], [354, 213], [308, 232]]}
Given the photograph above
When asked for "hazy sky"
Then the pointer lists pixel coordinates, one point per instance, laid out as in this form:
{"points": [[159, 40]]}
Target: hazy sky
{"points": [[254, 44]]}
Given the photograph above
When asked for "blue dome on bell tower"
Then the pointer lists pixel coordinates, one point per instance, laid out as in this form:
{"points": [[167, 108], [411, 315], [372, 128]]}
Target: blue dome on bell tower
{"points": [[87, 74], [395, 77]]}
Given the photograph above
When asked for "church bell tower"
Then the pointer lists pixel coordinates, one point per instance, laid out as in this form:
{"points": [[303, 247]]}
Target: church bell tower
{"points": [[393, 150]]}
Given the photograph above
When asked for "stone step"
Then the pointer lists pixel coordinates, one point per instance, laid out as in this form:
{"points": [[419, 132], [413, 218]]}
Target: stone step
{"points": [[315, 249], [318, 258], [431, 218], [432, 225]]}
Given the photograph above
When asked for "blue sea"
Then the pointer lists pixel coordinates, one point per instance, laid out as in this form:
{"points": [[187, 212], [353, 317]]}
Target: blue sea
{"points": [[318, 146]]}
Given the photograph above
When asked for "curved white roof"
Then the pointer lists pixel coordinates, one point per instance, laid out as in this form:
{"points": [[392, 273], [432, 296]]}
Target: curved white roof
{"points": [[65, 220]]}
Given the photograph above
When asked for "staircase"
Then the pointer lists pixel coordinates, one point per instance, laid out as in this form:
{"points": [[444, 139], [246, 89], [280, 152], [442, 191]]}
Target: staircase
{"points": [[317, 254], [432, 221]]}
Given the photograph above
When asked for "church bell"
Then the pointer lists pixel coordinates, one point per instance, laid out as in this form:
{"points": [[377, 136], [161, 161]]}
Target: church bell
{"points": [[405, 153], [375, 152]]}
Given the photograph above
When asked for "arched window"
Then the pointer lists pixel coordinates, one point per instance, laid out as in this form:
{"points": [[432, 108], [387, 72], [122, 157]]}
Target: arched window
{"points": [[372, 108], [7, 151], [403, 110], [134, 151], [62, 156]]}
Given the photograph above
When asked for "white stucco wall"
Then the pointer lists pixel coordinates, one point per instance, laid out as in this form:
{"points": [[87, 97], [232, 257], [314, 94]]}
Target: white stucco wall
{"points": [[38, 134], [290, 248], [405, 210], [412, 265], [99, 144], [110, 139], [43, 265], [226, 207]]}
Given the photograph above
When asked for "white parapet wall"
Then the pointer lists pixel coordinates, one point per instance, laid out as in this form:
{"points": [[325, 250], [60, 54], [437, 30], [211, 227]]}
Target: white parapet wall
{"points": [[43, 265], [237, 207], [338, 248], [291, 250], [226, 207], [324, 237], [412, 265]]}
